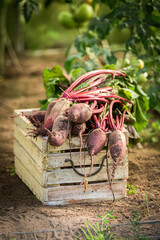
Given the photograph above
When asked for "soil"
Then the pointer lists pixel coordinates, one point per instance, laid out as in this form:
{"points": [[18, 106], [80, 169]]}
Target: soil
{"points": [[22, 216]]}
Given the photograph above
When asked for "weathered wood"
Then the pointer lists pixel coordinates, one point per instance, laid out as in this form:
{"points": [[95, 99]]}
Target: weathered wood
{"points": [[30, 147], [95, 192], [29, 163], [23, 123], [69, 176], [30, 181], [61, 176]]}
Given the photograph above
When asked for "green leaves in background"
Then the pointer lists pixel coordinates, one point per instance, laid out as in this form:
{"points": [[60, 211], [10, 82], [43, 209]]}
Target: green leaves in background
{"points": [[54, 81], [29, 7]]}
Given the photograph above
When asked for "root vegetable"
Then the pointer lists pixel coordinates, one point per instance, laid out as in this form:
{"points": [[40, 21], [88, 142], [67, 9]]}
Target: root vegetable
{"points": [[60, 107], [95, 143], [80, 113], [49, 108], [78, 128], [60, 131], [37, 118]]}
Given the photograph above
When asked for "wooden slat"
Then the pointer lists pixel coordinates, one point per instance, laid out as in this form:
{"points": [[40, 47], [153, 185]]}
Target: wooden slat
{"points": [[95, 193], [23, 123], [58, 160], [30, 181], [27, 161], [32, 149], [69, 176]]}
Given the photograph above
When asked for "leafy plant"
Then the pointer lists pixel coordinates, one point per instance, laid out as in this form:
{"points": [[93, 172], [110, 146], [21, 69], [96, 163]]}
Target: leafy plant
{"points": [[99, 231], [131, 189], [135, 227]]}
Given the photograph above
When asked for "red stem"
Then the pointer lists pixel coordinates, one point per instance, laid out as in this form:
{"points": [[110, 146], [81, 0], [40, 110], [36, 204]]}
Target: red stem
{"points": [[89, 75]]}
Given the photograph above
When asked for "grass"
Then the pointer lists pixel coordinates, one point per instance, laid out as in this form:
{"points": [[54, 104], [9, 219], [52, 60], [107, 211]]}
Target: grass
{"points": [[102, 231], [147, 203]]}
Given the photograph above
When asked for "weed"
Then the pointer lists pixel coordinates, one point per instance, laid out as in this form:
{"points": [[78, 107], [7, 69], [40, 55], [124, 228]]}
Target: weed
{"points": [[135, 227], [11, 170], [147, 204], [131, 189], [99, 231]]}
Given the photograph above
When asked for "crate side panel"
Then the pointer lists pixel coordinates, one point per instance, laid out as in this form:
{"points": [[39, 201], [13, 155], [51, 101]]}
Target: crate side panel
{"points": [[95, 192], [38, 156], [30, 181], [23, 123], [58, 159], [63, 176], [27, 161]]}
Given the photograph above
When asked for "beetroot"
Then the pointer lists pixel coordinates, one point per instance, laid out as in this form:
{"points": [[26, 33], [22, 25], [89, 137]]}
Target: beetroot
{"points": [[95, 143], [60, 107], [60, 131], [49, 108], [78, 128], [79, 113], [117, 145]]}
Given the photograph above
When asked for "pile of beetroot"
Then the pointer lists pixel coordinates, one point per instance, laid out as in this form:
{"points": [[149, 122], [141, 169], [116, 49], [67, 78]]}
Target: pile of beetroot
{"points": [[89, 107]]}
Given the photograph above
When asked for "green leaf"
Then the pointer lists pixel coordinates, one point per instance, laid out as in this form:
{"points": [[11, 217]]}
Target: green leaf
{"points": [[109, 57], [77, 73], [139, 114], [29, 7], [155, 139], [99, 216], [52, 78], [70, 61], [127, 93], [154, 94]]}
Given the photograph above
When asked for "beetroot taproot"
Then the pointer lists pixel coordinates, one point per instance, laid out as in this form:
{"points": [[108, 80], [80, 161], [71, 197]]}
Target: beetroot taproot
{"points": [[60, 107], [79, 113], [95, 143], [60, 131], [117, 148]]}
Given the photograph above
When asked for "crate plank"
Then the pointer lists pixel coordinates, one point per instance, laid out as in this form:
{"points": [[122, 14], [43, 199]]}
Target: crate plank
{"points": [[29, 163], [30, 147], [95, 192], [23, 123], [30, 181], [69, 176], [58, 160]]}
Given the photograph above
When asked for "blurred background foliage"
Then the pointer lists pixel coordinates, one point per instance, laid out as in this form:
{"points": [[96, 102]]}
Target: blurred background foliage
{"points": [[96, 34]]}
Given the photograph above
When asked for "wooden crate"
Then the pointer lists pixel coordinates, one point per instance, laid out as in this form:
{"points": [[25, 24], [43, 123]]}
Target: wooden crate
{"points": [[43, 169]]}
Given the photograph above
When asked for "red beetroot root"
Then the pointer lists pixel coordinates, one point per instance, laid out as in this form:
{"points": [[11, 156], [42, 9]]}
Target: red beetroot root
{"points": [[95, 143], [37, 118], [60, 131], [80, 113], [117, 146], [60, 107]]}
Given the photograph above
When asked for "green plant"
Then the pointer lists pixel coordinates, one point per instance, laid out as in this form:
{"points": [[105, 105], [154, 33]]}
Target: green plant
{"points": [[131, 189], [11, 170], [147, 203], [135, 227], [100, 231]]}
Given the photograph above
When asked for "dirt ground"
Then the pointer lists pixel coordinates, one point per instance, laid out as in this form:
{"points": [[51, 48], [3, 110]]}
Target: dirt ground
{"points": [[22, 216]]}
